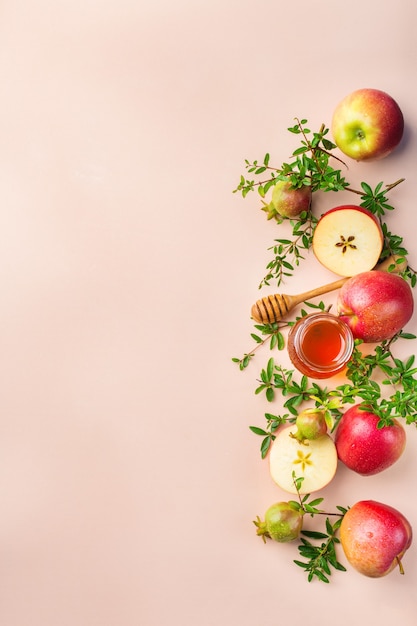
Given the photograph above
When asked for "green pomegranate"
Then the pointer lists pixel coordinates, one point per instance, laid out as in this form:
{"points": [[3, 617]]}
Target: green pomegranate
{"points": [[283, 522], [311, 424]]}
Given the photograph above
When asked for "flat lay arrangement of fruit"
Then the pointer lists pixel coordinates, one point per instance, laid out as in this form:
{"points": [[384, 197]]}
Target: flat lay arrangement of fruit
{"points": [[347, 398]]}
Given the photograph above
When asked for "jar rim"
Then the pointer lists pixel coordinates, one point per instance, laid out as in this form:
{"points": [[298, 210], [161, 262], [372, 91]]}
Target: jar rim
{"points": [[302, 327]]}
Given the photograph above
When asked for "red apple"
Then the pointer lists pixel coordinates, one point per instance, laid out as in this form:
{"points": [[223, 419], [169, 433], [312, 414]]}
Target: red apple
{"points": [[375, 537], [288, 201], [367, 125], [348, 240], [376, 305], [365, 448]]}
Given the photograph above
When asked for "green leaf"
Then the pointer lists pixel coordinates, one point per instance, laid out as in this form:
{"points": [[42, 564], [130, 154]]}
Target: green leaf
{"points": [[258, 431], [313, 534], [270, 394], [265, 445]]}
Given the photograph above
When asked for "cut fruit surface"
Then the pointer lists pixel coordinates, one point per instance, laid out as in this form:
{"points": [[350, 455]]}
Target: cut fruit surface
{"points": [[348, 240], [315, 461]]}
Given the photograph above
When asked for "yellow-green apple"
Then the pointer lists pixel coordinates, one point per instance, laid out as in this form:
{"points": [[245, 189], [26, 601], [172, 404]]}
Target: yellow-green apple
{"points": [[375, 537], [348, 239], [375, 305], [367, 124], [365, 448], [283, 522], [289, 201], [315, 461]]}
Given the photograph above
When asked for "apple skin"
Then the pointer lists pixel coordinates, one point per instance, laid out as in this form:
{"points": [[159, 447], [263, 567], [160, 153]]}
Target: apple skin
{"points": [[365, 448], [367, 124], [361, 209], [289, 201], [376, 305], [374, 537]]}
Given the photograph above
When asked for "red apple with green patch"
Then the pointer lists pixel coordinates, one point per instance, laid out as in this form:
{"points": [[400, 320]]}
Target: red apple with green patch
{"points": [[368, 124], [375, 305], [348, 240], [375, 537], [364, 447]]}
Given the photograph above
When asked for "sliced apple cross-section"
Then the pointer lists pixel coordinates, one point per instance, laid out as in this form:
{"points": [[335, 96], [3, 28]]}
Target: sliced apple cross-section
{"points": [[348, 240], [314, 460]]}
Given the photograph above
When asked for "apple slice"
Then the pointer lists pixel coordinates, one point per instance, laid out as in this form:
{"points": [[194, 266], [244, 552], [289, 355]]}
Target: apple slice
{"points": [[348, 240], [315, 461]]}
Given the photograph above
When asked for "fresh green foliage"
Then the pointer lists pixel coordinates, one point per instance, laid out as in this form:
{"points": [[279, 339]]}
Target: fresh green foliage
{"points": [[321, 557], [273, 422], [272, 335], [288, 253], [310, 166], [399, 378], [377, 379]]}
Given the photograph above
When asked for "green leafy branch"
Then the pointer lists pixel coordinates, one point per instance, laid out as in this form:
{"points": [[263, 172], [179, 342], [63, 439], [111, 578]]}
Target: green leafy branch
{"points": [[288, 253], [399, 375], [310, 166], [321, 557], [273, 422], [272, 334]]}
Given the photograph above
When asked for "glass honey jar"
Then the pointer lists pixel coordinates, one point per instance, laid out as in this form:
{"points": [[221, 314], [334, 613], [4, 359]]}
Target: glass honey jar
{"points": [[320, 345]]}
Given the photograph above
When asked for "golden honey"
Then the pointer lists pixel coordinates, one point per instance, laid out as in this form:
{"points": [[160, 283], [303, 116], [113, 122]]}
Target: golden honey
{"points": [[320, 345]]}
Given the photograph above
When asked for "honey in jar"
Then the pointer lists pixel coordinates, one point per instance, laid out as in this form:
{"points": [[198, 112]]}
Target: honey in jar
{"points": [[320, 345]]}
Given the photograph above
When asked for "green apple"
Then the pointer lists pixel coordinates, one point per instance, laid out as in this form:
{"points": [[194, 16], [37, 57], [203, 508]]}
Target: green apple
{"points": [[367, 125], [283, 522], [375, 537]]}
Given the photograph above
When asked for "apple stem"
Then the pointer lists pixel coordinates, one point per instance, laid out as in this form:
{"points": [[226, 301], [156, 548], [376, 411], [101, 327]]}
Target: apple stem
{"points": [[400, 565]]}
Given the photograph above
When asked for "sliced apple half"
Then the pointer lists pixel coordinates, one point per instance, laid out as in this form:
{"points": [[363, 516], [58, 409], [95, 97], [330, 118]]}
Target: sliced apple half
{"points": [[348, 240], [315, 461]]}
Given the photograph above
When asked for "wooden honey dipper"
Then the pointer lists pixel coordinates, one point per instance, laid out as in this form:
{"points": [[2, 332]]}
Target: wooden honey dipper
{"points": [[275, 306]]}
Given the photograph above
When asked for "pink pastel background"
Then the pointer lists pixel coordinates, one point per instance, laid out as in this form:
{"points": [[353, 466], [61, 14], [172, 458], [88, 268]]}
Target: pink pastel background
{"points": [[129, 478]]}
